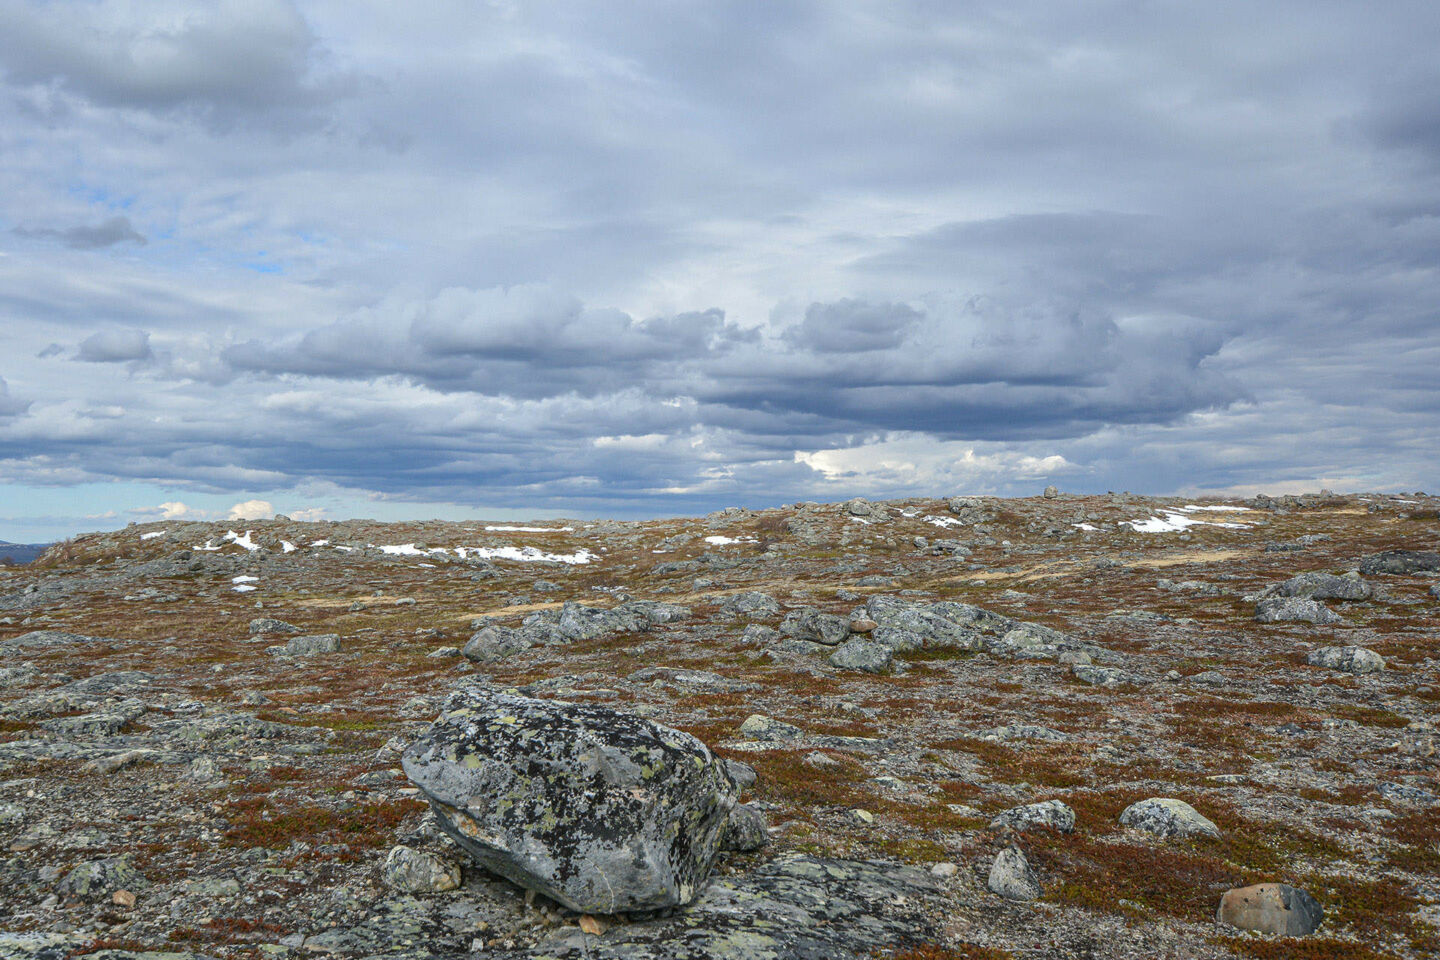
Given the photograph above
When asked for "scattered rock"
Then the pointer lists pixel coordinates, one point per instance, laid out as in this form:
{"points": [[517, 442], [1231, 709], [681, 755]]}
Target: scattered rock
{"points": [[1011, 876], [1326, 586], [307, 646], [1348, 659], [757, 726], [1166, 817], [746, 830], [1274, 908], [415, 871], [1401, 561], [270, 625], [816, 626], [1278, 609], [860, 653], [1055, 814]]}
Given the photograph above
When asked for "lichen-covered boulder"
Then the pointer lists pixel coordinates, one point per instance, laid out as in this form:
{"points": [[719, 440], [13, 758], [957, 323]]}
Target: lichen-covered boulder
{"points": [[1302, 609], [1168, 817], [1348, 659], [599, 810]]}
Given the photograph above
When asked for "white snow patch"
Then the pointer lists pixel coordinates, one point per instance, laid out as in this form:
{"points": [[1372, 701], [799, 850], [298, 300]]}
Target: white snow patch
{"points": [[430, 565], [530, 555], [242, 588], [1089, 527], [720, 541], [531, 529], [244, 579], [945, 521], [240, 541], [1219, 509], [403, 550], [287, 546], [320, 543], [208, 547], [152, 535], [1172, 522]]}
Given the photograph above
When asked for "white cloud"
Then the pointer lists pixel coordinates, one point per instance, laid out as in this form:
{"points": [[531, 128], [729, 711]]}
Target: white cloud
{"points": [[252, 510]]}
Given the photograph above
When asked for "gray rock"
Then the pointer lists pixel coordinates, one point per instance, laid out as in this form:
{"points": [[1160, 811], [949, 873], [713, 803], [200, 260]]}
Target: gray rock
{"points": [[599, 810], [1055, 814], [793, 908], [1051, 493], [1348, 659], [1023, 731], [52, 638], [1166, 817], [1278, 609], [1326, 586], [271, 625], [416, 871], [746, 830], [742, 773], [750, 604], [859, 507], [1105, 676], [897, 639], [307, 646], [757, 726], [1401, 561], [816, 626], [98, 879], [493, 644], [1011, 876], [864, 654], [1273, 908]]}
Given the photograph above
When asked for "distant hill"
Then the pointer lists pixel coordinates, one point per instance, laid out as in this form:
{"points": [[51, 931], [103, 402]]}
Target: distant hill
{"points": [[21, 552]]}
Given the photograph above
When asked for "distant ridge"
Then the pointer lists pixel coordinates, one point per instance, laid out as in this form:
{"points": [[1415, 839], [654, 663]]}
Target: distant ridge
{"points": [[21, 553]]}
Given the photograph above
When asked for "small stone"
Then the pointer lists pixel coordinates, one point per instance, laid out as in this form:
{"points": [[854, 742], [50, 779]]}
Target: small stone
{"points": [[757, 726], [1274, 908], [415, 871], [270, 625], [944, 870], [1105, 676], [123, 898], [593, 925], [863, 815], [862, 625], [1347, 659], [1051, 813], [746, 830], [1166, 817], [1011, 876], [307, 646]]}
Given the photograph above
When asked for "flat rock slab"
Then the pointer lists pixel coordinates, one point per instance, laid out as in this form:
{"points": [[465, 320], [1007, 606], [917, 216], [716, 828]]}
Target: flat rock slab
{"points": [[805, 908]]}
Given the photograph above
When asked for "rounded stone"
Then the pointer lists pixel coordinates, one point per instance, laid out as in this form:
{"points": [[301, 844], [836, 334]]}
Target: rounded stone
{"points": [[1167, 817], [1274, 908], [1011, 876]]}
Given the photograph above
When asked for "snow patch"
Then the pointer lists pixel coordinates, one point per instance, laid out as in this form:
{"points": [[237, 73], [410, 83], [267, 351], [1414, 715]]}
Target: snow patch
{"points": [[244, 579], [152, 535], [287, 546], [945, 521], [240, 541], [500, 529], [1218, 509], [527, 555], [321, 543], [1172, 522], [1088, 527], [720, 541]]}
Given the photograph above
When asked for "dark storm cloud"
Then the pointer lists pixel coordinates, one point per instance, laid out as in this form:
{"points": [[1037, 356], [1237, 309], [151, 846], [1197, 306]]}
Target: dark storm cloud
{"points": [[654, 256], [106, 234], [114, 346]]}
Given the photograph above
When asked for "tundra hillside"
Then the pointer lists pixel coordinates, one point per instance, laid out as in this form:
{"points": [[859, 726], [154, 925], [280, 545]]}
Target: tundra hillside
{"points": [[1060, 726]]}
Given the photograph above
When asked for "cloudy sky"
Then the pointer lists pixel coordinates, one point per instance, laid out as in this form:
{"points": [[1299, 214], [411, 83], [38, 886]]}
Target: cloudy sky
{"points": [[337, 258]]}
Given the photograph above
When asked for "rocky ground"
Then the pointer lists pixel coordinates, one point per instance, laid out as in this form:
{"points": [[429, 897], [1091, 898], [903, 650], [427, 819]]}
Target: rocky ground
{"points": [[201, 727]]}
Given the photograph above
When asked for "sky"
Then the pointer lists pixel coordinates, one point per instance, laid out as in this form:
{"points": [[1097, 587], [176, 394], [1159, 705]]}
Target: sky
{"points": [[454, 260]]}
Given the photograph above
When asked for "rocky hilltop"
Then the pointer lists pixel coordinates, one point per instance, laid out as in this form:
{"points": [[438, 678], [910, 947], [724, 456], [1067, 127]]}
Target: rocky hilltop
{"points": [[1060, 726]]}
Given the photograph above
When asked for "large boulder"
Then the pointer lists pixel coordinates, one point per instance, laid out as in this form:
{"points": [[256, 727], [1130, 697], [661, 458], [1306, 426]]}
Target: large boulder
{"points": [[1302, 609], [1167, 817], [1326, 586], [599, 810]]}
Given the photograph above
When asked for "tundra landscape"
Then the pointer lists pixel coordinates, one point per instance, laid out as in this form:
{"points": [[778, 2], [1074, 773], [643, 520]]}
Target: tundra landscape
{"points": [[924, 729]]}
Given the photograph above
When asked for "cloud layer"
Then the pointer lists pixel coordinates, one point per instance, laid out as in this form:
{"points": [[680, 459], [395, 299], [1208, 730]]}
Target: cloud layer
{"points": [[656, 259]]}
